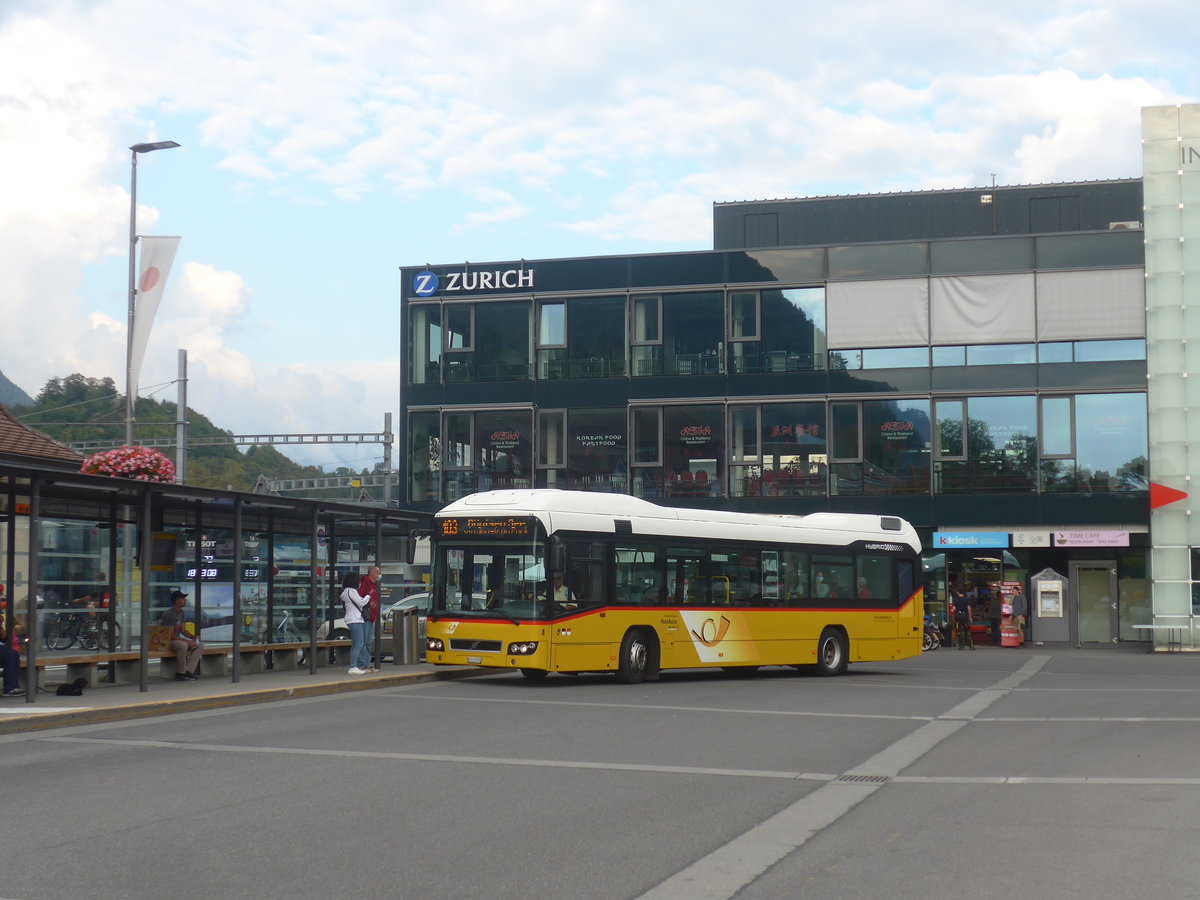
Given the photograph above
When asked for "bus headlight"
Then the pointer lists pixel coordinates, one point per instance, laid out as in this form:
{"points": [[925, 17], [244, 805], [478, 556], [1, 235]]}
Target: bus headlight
{"points": [[435, 644], [522, 648]]}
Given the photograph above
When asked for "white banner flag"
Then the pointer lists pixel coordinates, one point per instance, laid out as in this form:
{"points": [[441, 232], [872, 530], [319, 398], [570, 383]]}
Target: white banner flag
{"points": [[157, 255]]}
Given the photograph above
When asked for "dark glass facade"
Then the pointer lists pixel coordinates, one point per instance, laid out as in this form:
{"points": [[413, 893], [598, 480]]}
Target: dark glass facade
{"points": [[731, 379]]}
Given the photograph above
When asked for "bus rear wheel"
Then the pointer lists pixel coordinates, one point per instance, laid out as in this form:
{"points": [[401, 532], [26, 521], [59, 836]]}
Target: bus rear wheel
{"points": [[831, 653], [634, 658]]}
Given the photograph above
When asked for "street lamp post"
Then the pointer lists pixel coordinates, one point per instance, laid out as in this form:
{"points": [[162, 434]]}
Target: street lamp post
{"points": [[130, 385]]}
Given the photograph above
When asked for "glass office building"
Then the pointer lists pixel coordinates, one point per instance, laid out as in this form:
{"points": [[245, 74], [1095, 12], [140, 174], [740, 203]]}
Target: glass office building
{"points": [[974, 360]]}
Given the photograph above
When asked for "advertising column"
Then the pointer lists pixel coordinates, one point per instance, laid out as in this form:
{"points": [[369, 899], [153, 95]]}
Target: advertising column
{"points": [[1171, 186]]}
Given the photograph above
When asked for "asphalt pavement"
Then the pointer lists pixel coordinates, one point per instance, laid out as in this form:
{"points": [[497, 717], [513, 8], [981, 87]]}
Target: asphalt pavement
{"points": [[113, 702]]}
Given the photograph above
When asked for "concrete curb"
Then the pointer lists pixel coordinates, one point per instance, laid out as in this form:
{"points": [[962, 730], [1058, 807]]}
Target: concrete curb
{"points": [[149, 708]]}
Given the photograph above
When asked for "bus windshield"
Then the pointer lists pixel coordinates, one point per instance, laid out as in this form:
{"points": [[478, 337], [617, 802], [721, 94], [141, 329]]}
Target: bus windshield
{"points": [[492, 578]]}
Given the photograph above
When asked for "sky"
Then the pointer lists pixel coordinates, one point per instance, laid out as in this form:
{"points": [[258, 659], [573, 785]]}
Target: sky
{"points": [[325, 145]]}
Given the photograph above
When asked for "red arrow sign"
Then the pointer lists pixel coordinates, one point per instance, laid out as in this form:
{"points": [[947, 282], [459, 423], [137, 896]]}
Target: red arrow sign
{"points": [[1161, 495]]}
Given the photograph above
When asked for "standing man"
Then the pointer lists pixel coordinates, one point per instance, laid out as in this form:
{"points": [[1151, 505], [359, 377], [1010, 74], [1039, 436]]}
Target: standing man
{"points": [[369, 589], [996, 612], [960, 607], [96, 594], [1020, 609], [187, 648]]}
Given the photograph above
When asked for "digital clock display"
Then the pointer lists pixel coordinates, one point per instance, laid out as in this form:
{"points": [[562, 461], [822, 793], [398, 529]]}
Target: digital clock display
{"points": [[479, 526], [204, 573]]}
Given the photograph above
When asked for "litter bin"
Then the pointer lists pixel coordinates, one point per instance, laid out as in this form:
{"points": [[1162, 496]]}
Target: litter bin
{"points": [[404, 639]]}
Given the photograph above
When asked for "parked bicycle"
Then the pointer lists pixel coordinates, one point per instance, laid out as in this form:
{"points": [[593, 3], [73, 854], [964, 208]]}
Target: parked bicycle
{"points": [[63, 629], [286, 631]]}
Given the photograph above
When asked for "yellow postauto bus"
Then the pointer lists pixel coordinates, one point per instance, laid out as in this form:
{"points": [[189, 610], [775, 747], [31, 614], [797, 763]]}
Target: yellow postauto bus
{"points": [[543, 581]]}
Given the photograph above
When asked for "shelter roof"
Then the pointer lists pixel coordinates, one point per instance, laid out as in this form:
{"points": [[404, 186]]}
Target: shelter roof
{"points": [[22, 442]]}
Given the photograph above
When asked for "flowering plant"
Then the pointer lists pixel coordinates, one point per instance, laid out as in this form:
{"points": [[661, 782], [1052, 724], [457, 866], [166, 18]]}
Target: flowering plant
{"points": [[138, 463]]}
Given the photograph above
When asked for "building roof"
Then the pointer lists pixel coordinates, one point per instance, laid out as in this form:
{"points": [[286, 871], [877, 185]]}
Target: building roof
{"points": [[18, 441]]}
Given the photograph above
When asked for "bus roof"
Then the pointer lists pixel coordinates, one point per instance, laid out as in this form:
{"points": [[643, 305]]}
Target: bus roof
{"points": [[586, 511]]}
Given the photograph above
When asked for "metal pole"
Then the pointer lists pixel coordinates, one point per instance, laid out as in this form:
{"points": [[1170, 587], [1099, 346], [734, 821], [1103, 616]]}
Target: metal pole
{"points": [[314, 524], [32, 613], [181, 422], [237, 589], [145, 539], [130, 387]]}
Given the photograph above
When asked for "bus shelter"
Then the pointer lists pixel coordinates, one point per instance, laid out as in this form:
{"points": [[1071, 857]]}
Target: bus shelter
{"points": [[88, 565]]}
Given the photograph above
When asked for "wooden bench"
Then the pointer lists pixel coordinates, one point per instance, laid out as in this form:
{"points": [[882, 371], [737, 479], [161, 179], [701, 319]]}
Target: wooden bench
{"points": [[214, 661], [261, 657]]}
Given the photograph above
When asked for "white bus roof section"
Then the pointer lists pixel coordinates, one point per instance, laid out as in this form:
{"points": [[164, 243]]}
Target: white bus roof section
{"points": [[599, 512]]}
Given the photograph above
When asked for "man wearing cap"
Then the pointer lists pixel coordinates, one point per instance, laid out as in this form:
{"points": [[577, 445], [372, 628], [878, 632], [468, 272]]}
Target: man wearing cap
{"points": [[187, 648]]}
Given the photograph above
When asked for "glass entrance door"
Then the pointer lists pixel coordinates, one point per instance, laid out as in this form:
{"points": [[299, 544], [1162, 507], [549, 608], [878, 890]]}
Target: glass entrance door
{"points": [[1095, 588]]}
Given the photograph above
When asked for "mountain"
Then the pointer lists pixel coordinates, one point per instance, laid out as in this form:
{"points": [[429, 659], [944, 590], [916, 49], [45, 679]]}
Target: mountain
{"points": [[11, 395], [78, 408]]}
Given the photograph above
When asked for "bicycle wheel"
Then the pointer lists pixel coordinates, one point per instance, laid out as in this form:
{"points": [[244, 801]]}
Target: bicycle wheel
{"points": [[106, 629], [89, 634], [57, 634]]}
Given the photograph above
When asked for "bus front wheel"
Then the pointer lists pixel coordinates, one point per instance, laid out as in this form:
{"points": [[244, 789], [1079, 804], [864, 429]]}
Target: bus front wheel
{"points": [[831, 653], [634, 659]]}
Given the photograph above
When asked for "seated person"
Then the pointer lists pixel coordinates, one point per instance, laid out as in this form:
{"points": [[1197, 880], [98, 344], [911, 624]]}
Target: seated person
{"points": [[560, 593], [10, 662], [187, 649]]}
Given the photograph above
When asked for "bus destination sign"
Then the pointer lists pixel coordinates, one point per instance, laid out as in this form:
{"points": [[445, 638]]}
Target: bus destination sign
{"points": [[486, 527]]}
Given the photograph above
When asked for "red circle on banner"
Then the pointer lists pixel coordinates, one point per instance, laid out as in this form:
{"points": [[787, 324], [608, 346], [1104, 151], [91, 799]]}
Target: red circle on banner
{"points": [[149, 279]]}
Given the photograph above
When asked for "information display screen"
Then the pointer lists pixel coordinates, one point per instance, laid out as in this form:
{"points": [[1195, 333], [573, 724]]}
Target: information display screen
{"points": [[486, 526]]}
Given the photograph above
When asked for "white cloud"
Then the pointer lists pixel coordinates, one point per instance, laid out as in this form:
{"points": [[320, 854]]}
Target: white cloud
{"points": [[602, 125]]}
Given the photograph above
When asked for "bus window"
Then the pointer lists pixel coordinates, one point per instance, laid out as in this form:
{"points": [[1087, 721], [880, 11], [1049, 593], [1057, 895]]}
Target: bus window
{"points": [[793, 577], [584, 576], [833, 576], [874, 578], [639, 577], [741, 571], [687, 577], [904, 573]]}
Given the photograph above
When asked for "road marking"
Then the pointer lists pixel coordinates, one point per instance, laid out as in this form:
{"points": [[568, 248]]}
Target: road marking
{"points": [[706, 710], [446, 758], [851, 776], [725, 871]]}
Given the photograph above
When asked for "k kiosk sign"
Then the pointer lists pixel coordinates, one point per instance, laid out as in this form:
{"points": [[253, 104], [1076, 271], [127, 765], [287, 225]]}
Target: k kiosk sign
{"points": [[969, 540]]}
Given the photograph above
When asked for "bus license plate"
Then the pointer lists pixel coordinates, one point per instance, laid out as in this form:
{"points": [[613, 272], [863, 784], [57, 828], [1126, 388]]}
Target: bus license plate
{"points": [[474, 660]]}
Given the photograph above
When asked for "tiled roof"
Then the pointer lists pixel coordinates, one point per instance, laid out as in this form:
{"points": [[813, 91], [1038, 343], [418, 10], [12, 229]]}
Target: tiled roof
{"points": [[21, 440]]}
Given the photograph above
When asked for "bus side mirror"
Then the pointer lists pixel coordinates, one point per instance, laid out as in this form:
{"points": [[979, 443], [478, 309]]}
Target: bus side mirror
{"points": [[558, 555], [410, 546]]}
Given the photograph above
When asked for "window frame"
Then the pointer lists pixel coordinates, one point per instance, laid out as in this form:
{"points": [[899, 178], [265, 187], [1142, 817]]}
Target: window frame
{"points": [[938, 455], [538, 343], [447, 331], [634, 302], [832, 431], [730, 331], [1070, 419]]}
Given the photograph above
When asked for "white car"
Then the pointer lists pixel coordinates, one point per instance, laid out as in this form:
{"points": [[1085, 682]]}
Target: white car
{"points": [[420, 602]]}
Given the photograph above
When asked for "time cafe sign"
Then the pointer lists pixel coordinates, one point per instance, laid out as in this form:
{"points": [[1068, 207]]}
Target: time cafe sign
{"points": [[427, 283]]}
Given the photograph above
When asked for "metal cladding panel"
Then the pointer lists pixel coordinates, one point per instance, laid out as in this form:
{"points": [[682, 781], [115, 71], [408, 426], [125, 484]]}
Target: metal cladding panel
{"points": [[927, 215]]}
